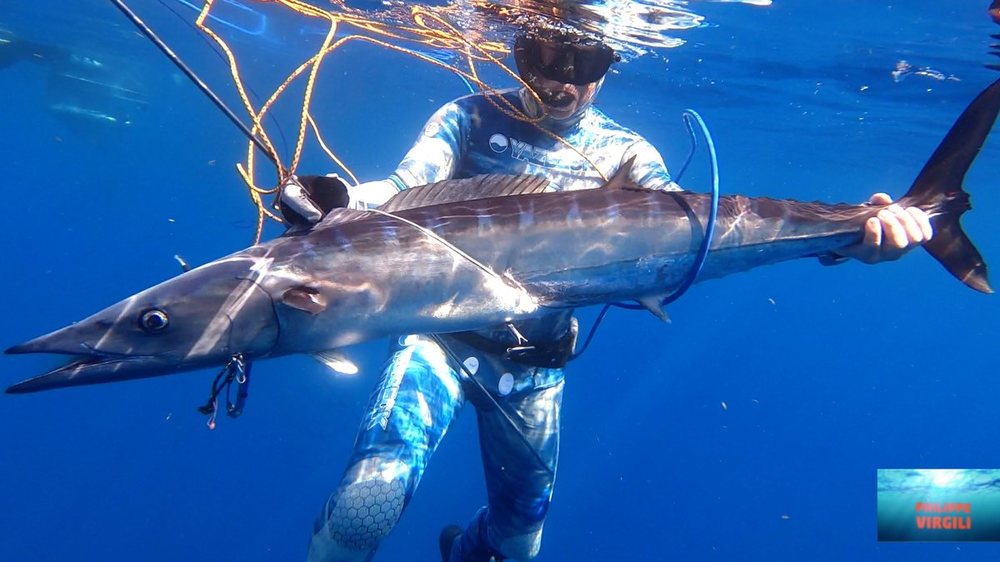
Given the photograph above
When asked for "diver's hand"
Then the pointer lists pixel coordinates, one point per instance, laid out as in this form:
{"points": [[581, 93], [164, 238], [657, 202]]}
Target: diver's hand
{"points": [[305, 200], [890, 234], [296, 198]]}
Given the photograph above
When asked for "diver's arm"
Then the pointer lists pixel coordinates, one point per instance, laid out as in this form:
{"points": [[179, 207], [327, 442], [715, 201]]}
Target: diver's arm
{"points": [[648, 169], [438, 150], [432, 157]]}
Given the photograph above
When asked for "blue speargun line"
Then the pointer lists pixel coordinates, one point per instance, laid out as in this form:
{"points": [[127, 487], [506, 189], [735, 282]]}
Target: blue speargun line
{"points": [[706, 243]]}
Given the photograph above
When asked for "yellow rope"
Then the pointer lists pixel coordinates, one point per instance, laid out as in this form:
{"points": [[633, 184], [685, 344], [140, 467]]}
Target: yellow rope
{"points": [[234, 71], [427, 27], [322, 144]]}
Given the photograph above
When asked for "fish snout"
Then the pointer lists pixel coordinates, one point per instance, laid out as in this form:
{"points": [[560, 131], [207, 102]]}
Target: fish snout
{"points": [[197, 320]]}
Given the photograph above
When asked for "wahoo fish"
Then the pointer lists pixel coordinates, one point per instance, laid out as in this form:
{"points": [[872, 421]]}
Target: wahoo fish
{"points": [[479, 253]]}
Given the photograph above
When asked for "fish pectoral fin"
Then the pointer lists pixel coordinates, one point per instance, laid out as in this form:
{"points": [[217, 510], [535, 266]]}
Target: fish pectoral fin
{"points": [[336, 360], [305, 298], [654, 304]]}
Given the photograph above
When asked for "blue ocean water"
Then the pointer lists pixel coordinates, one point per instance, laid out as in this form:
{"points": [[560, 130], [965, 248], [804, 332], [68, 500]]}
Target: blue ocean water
{"points": [[750, 428]]}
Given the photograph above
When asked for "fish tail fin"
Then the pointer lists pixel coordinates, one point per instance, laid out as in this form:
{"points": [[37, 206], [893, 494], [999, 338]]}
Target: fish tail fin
{"points": [[939, 191]]}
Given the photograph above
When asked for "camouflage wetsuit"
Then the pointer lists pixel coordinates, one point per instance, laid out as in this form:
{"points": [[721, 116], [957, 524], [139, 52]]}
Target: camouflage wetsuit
{"points": [[420, 390]]}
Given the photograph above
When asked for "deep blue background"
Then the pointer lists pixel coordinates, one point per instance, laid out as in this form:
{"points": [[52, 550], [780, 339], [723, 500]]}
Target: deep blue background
{"points": [[828, 373]]}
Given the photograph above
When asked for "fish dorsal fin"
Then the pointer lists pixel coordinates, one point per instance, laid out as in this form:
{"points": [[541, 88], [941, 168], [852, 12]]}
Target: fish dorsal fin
{"points": [[334, 217], [478, 187], [623, 177], [337, 216]]}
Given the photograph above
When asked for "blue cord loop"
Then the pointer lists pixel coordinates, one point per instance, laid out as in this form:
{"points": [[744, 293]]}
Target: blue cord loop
{"points": [[690, 117], [713, 212], [693, 139]]}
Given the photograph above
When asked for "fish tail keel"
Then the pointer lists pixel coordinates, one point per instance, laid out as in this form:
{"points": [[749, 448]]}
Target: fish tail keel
{"points": [[939, 191]]}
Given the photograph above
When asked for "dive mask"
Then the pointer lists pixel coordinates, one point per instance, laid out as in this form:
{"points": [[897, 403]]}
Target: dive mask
{"points": [[563, 58]]}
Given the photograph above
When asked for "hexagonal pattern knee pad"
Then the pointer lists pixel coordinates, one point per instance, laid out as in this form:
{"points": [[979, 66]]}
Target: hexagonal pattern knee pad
{"points": [[364, 512]]}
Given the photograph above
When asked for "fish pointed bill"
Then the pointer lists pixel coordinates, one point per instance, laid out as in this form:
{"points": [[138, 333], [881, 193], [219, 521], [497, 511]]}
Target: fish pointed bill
{"points": [[196, 320], [89, 370]]}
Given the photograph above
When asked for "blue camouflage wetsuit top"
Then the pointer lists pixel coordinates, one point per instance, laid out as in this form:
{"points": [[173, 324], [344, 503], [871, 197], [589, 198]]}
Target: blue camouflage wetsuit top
{"points": [[421, 390]]}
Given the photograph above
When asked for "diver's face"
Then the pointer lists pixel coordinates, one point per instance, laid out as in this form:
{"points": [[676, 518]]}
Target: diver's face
{"points": [[553, 71], [561, 100]]}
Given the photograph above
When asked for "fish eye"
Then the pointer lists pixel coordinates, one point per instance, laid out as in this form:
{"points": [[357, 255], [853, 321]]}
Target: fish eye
{"points": [[153, 320]]}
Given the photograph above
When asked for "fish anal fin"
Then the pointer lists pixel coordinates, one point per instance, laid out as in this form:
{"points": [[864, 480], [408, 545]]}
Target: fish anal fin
{"points": [[654, 304]]}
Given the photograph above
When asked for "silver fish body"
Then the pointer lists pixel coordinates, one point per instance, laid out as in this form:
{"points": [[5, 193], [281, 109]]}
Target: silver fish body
{"points": [[455, 265]]}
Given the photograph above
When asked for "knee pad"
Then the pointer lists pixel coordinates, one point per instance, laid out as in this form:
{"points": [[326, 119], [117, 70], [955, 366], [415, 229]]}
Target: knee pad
{"points": [[361, 514]]}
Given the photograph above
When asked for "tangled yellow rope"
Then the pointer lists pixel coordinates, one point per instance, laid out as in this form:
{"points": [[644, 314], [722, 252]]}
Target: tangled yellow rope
{"points": [[427, 27]]}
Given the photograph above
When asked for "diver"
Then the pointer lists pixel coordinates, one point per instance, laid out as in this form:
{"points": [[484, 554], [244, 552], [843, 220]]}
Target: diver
{"points": [[424, 385], [81, 88]]}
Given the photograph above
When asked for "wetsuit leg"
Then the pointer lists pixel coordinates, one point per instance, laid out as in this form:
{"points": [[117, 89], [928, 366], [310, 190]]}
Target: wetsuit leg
{"points": [[409, 412], [519, 483]]}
